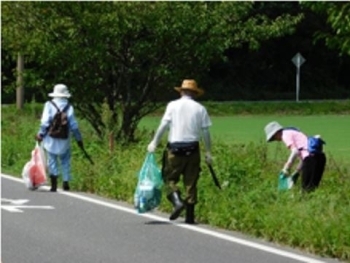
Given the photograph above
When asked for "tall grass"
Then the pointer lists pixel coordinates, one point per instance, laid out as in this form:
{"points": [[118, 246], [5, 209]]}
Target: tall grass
{"points": [[249, 201]]}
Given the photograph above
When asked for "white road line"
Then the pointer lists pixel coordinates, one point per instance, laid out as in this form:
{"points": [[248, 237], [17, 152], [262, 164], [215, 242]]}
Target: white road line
{"points": [[190, 227]]}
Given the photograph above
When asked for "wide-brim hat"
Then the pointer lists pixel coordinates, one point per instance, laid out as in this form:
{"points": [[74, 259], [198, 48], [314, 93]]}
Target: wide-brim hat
{"points": [[271, 129], [60, 91], [190, 84]]}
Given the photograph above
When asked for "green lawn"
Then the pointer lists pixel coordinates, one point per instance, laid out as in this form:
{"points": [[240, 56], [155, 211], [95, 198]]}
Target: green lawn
{"points": [[335, 129]]}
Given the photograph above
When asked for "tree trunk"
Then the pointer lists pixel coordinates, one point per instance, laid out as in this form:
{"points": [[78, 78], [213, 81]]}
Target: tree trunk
{"points": [[20, 89]]}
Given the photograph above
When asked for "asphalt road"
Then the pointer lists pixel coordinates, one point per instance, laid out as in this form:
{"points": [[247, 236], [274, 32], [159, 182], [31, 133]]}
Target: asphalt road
{"points": [[44, 227]]}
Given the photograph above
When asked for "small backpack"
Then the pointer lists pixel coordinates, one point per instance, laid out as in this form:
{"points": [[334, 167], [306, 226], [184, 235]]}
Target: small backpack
{"points": [[59, 126], [315, 144]]}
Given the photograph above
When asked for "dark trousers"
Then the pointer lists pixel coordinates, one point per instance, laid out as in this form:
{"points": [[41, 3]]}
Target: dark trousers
{"points": [[312, 171], [189, 167]]}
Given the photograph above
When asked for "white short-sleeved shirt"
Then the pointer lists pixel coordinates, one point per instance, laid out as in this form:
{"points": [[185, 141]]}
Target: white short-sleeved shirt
{"points": [[186, 119]]}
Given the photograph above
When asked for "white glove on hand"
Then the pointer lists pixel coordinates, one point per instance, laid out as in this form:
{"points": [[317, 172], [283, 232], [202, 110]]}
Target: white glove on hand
{"points": [[151, 147], [208, 158], [286, 168], [285, 171]]}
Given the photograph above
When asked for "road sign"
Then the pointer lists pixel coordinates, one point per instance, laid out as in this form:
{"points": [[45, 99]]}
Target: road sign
{"points": [[17, 206], [298, 60]]}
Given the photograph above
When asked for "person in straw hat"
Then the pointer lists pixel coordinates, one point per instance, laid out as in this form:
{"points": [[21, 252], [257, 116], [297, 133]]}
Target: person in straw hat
{"points": [[311, 163], [187, 120], [57, 145]]}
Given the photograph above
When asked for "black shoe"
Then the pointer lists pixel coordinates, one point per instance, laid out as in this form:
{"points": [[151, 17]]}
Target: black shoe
{"points": [[175, 199], [66, 186], [53, 179], [190, 214]]}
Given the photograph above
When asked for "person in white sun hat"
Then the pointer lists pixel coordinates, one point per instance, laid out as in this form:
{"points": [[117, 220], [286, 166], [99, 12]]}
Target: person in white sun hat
{"points": [[56, 138], [308, 150]]}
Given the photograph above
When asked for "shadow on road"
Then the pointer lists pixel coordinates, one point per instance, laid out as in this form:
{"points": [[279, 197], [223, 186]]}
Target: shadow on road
{"points": [[155, 222]]}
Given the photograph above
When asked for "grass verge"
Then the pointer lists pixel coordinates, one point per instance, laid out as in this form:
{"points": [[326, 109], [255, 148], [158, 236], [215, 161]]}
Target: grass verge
{"points": [[249, 201]]}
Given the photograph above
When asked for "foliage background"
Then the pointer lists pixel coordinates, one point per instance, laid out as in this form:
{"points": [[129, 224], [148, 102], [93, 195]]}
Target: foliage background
{"points": [[130, 55]]}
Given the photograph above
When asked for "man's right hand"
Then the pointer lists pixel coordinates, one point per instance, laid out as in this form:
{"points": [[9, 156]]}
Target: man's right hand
{"points": [[151, 147]]}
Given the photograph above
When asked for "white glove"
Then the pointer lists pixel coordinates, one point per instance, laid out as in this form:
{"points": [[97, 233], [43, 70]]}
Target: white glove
{"points": [[286, 168], [208, 158], [151, 147], [285, 171]]}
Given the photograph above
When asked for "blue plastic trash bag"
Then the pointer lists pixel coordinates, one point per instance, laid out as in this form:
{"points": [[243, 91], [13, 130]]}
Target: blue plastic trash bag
{"points": [[148, 190], [284, 182]]}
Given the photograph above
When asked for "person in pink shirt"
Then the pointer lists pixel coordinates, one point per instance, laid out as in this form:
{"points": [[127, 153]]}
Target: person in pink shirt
{"points": [[311, 162]]}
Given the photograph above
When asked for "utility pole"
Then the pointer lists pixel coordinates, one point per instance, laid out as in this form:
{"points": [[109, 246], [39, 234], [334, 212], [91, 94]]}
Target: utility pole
{"points": [[20, 88]]}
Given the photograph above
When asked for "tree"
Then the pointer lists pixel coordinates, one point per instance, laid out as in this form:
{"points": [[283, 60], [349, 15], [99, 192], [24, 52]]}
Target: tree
{"points": [[338, 18], [129, 54]]}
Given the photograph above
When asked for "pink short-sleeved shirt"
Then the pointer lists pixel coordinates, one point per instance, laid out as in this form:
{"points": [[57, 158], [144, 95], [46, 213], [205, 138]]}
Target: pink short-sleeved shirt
{"points": [[296, 139]]}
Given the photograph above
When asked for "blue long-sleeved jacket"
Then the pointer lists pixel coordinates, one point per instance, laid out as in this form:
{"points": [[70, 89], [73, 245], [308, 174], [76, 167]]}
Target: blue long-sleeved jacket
{"points": [[54, 145]]}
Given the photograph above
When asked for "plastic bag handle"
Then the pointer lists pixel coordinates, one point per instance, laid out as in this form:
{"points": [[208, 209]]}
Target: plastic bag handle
{"points": [[149, 158]]}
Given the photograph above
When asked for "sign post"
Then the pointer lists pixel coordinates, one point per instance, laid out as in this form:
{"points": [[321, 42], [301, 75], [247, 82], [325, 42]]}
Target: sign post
{"points": [[298, 60]]}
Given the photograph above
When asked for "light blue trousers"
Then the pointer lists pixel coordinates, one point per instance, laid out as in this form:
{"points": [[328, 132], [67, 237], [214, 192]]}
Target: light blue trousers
{"points": [[52, 163]]}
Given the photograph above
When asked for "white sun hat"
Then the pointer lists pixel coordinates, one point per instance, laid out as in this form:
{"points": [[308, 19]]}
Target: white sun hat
{"points": [[60, 91], [271, 129]]}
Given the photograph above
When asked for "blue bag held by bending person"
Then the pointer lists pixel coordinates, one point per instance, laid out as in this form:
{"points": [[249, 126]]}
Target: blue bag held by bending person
{"points": [[148, 190]]}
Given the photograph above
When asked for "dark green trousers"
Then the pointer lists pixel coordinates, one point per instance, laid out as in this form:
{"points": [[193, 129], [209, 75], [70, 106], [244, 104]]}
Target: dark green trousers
{"points": [[188, 167]]}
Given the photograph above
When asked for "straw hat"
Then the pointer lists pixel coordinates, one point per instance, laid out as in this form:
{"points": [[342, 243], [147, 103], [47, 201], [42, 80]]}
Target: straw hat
{"points": [[271, 129], [60, 91], [190, 84]]}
